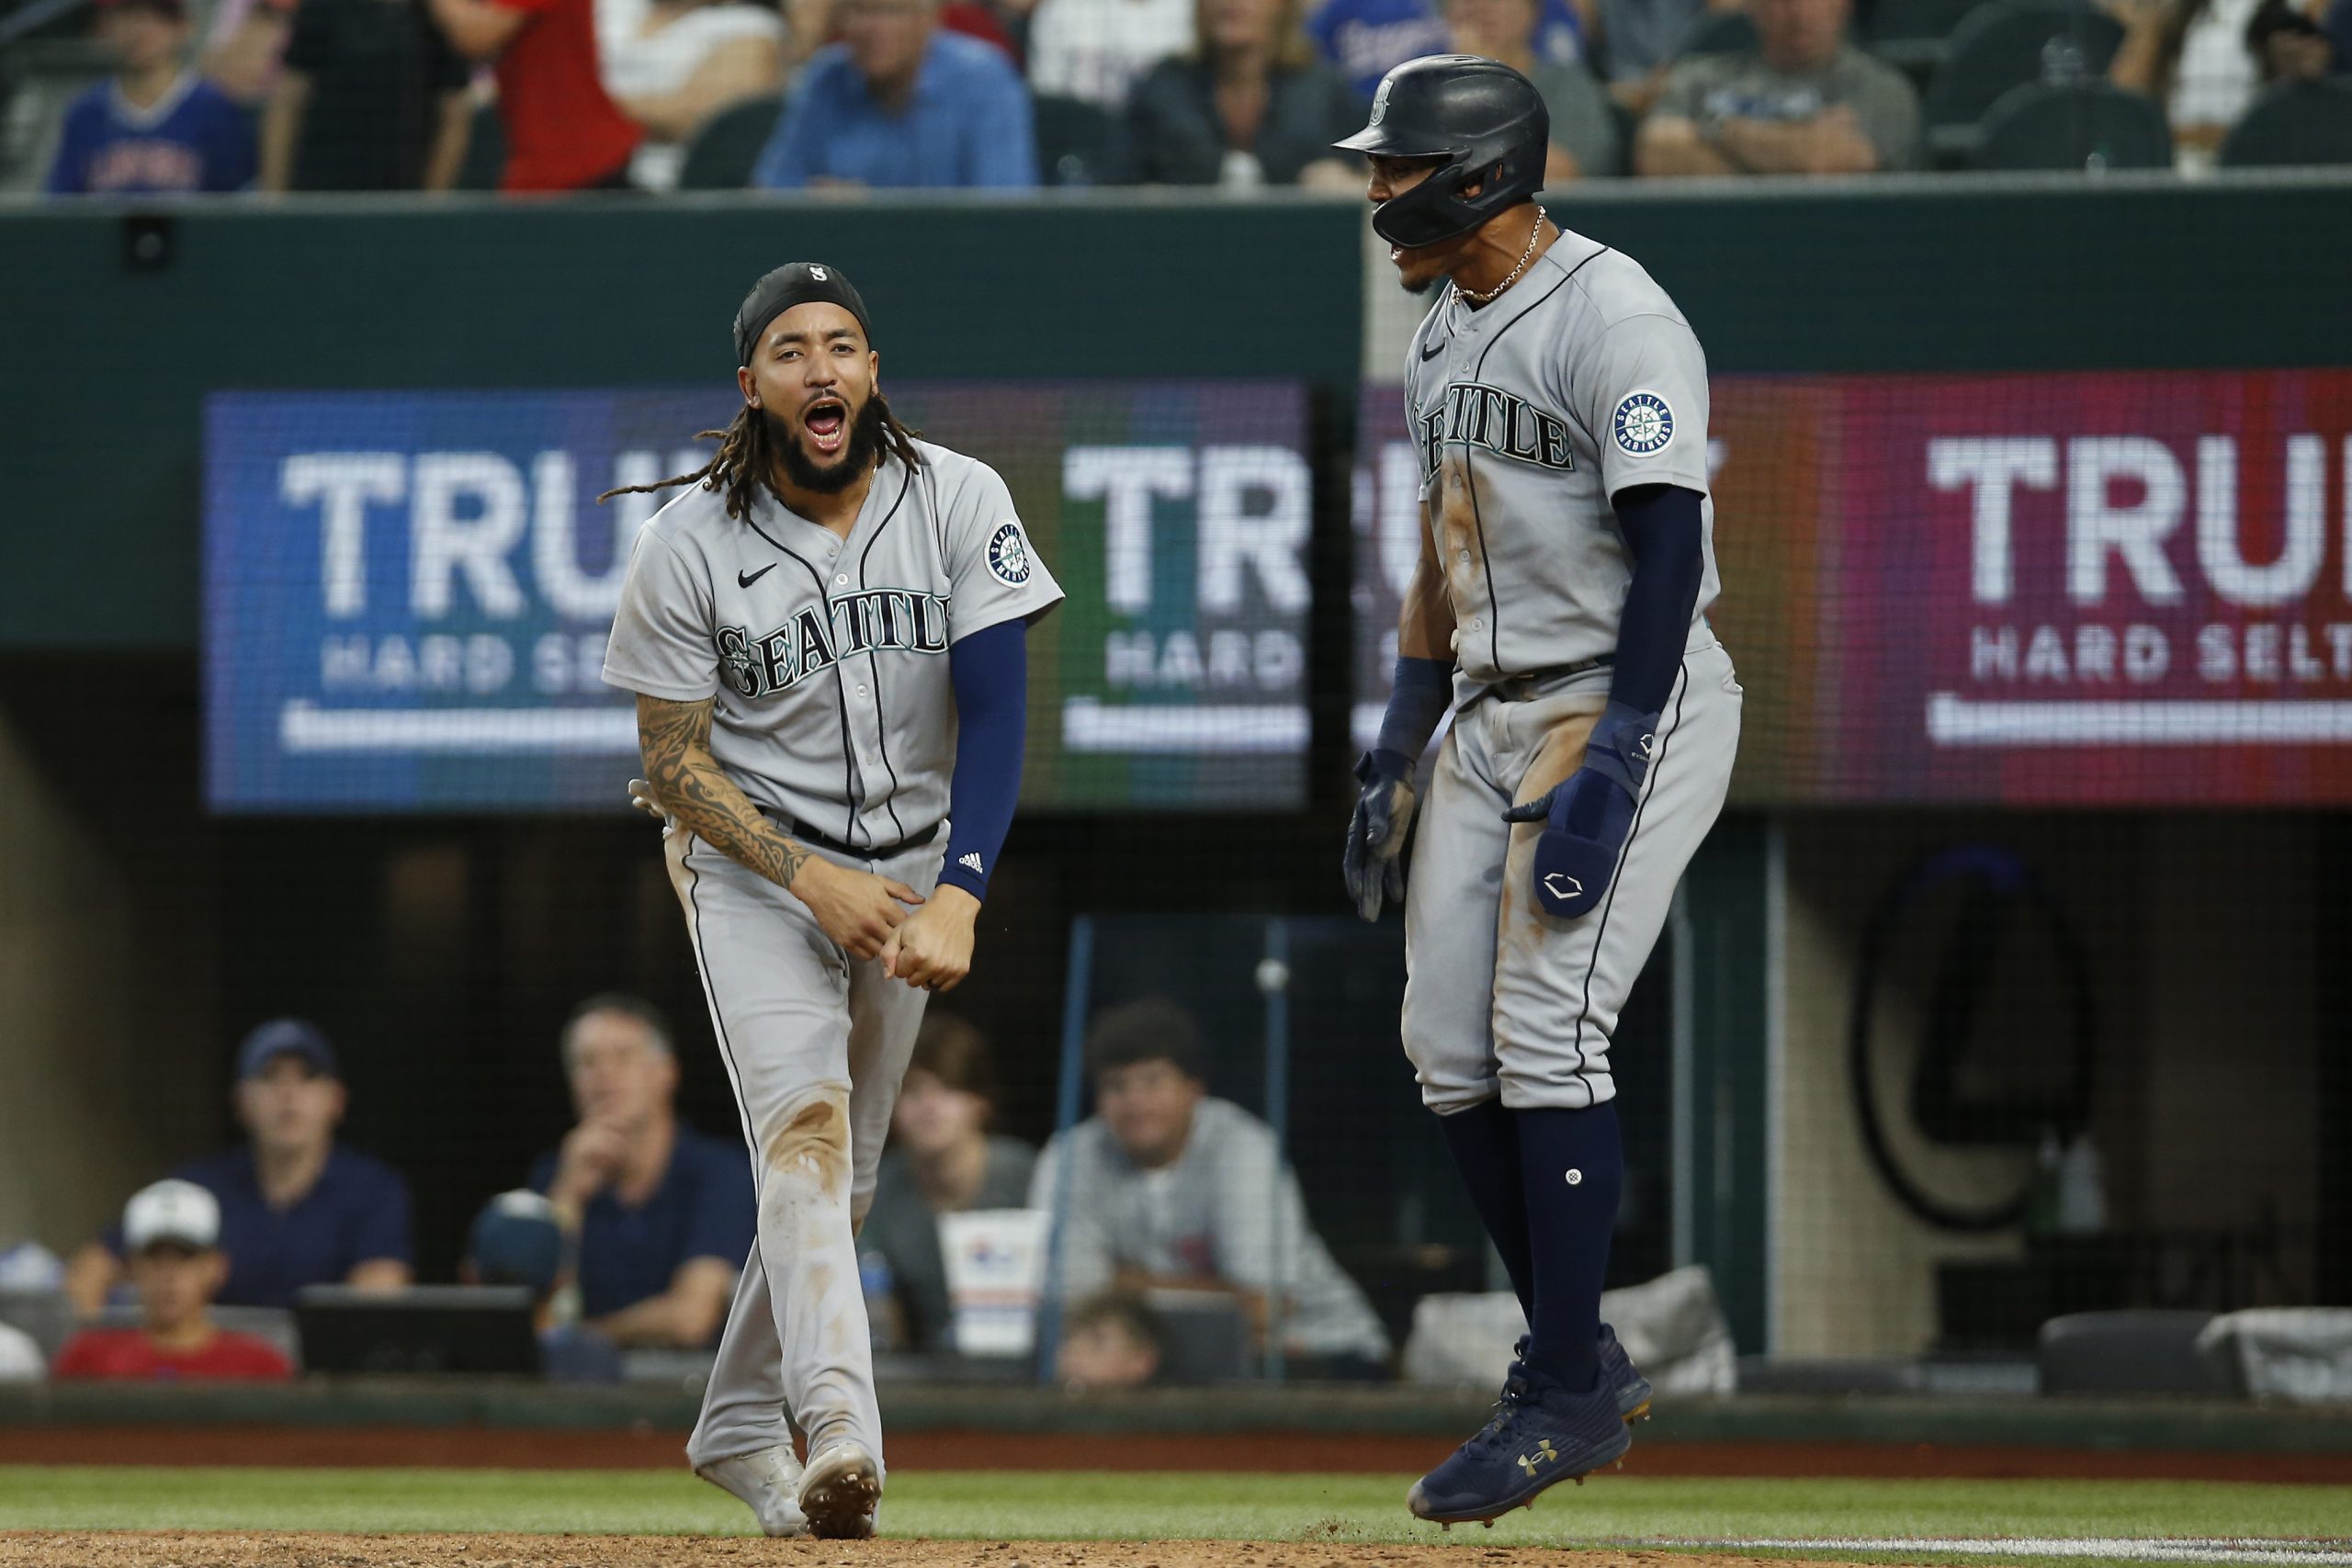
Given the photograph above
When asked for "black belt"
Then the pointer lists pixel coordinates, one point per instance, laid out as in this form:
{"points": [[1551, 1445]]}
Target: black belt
{"points": [[1519, 688], [807, 835]]}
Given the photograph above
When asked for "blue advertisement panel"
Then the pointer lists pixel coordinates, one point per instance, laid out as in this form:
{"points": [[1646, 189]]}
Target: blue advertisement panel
{"points": [[407, 595]]}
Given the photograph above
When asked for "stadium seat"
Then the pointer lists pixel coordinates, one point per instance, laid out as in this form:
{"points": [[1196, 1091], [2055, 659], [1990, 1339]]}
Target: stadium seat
{"points": [[2083, 125], [722, 152], [1911, 33], [2145, 1352], [2008, 44], [1076, 142], [1719, 32], [2301, 122], [485, 152]]}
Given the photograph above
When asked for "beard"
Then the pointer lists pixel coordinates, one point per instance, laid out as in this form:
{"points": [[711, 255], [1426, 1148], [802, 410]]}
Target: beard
{"points": [[805, 472]]}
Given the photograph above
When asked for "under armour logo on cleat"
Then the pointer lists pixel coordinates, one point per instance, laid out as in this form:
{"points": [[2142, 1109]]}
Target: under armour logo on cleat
{"points": [[1560, 885], [971, 862], [1544, 1454]]}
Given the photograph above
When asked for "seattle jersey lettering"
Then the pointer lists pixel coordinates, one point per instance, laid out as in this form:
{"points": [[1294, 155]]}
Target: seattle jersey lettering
{"points": [[1503, 422], [821, 636]]}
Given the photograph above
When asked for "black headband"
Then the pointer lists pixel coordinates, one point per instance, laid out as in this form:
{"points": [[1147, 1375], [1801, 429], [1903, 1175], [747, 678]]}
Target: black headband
{"points": [[795, 283]]}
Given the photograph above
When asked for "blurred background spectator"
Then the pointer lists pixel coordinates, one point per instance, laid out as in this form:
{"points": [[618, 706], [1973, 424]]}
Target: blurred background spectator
{"points": [[562, 131], [156, 128], [1367, 39], [1803, 102], [663, 1216], [1096, 51], [2205, 61], [1251, 105], [901, 103], [243, 42], [1111, 1341], [943, 1159], [1636, 40], [1171, 1187], [2289, 44], [172, 1233], [518, 1240], [20, 1356], [1584, 132], [687, 61], [370, 96], [295, 1208]]}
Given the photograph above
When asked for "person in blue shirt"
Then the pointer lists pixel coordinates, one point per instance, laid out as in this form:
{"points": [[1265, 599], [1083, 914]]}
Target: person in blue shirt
{"points": [[899, 103], [662, 1217], [297, 1208], [1365, 38], [157, 129]]}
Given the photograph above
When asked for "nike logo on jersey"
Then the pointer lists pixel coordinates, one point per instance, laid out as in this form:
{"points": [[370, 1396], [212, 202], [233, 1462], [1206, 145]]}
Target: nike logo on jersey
{"points": [[1432, 350], [823, 633], [745, 578], [1503, 422], [971, 862]]}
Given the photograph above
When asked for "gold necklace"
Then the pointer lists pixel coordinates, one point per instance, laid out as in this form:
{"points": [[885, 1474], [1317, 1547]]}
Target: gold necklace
{"points": [[1525, 256]]}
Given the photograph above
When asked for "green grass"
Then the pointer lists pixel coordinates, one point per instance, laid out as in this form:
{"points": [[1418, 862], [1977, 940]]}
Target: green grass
{"points": [[1094, 1504]]}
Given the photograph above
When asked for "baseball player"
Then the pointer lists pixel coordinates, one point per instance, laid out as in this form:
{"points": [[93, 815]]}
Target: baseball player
{"points": [[1559, 402], [826, 636]]}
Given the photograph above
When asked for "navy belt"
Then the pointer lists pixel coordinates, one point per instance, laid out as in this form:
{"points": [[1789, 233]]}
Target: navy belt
{"points": [[807, 835], [1519, 688]]}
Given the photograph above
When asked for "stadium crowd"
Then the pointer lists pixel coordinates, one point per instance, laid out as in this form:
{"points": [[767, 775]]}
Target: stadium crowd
{"points": [[631, 1231], [542, 95]]}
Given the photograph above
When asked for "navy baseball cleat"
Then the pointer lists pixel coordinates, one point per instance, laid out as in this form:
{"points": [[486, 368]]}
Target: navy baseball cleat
{"points": [[1617, 1370], [1541, 1434]]}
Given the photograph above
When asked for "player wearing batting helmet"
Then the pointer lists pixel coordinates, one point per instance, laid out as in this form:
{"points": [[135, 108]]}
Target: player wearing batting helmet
{"points": [[1558, 401]]}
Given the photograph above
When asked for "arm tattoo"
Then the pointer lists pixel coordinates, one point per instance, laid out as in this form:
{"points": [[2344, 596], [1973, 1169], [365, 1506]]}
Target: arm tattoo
{"points": [[674, 741]]}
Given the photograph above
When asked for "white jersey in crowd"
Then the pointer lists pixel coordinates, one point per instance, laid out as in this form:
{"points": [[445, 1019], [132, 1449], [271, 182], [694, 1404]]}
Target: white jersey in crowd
{"points": [[1096, 49], [828, 656], [1582, 380]]}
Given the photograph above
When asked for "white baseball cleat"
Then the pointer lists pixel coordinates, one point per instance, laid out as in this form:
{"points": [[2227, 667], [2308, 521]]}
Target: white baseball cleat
{"points": [[768, 1480], [840, 1491]]}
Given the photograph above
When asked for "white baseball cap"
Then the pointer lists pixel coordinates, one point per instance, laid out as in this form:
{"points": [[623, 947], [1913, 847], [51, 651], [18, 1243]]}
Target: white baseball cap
{"points": [[170, 1211]]}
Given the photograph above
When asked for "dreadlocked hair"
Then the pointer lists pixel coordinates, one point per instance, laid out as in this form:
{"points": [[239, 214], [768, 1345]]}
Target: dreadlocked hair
{"points": [[746, 458]]}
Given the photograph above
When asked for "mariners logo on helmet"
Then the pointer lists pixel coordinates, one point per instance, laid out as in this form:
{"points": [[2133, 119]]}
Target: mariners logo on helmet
{"points": [[1380, 103], [1644, 423], [1009, 554]]}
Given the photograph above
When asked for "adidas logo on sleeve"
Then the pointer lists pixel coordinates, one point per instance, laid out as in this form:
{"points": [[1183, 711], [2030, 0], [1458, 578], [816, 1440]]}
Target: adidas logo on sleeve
{"points": [[971, 862]]}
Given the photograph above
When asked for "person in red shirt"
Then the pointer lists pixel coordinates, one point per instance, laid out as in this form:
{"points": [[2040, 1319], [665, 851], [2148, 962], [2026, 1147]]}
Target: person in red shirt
{"points": [[562, 131], [172, 1231]]}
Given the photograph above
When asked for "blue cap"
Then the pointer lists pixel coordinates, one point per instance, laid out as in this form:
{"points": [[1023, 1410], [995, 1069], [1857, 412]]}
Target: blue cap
{"points": [[286, 1037], [515, 1241]]}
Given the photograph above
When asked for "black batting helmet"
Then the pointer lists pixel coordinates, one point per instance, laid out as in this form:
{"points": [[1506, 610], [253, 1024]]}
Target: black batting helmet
{"points": [[1482, 117]]}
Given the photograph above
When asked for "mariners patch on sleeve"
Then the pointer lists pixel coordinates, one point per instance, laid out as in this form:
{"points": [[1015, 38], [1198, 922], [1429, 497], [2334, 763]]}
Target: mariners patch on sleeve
{"points": [[1642, 424], [1009, 554]]}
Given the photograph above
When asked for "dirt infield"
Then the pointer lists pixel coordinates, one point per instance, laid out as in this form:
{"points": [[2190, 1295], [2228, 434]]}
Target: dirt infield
{"points": [[1263, 1453], [235, 1549]]}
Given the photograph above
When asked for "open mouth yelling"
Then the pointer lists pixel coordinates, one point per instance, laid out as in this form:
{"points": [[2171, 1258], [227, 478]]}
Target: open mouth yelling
{"points": [[827, 423]]}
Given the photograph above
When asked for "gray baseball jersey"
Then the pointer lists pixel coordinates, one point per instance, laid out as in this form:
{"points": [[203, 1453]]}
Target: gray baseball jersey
{"points": [[1529, 414], [826, 655], [1581, 380]]}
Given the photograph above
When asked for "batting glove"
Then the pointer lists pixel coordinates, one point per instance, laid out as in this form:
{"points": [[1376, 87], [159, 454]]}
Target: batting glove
{"points": [[1588, 816], [1374, 864]]}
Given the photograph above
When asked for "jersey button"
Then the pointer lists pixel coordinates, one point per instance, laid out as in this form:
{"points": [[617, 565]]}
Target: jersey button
{"points": [[841, 580], [861, 690]]}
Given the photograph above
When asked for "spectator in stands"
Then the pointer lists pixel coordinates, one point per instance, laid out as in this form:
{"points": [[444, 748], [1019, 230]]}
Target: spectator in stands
{"points": [[1584, 133], [245, 40], [2192, 56], [297, 1208], [1096, 51], [663, 1216], [942, 1160], [1251, 106], [156, 128], [1636, 42], [2289, 44], [899, 103], [173, 1233], [371, 97], [1169, 1187], [562, 131], [1110, 1341], [517, 1239], [1804, 102], [688, 60], [1367, 39], [20, 1360]]}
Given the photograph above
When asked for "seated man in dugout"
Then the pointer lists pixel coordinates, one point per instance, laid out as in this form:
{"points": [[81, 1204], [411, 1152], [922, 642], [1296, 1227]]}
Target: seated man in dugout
{"points": [[661, 1217], [1803, 102], [1171, 1187], [296, 1207], [172, 1234]]}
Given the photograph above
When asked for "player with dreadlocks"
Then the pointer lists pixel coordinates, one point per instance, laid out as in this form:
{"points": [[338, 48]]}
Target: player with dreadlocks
{"points": [[827, 637]]}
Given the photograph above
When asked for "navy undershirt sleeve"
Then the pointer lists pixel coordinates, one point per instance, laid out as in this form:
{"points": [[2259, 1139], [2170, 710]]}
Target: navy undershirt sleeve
{"points": [[990, 670], [1663, 533]]}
